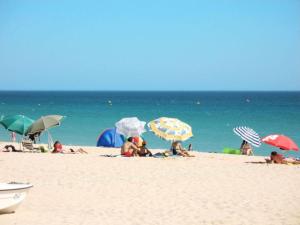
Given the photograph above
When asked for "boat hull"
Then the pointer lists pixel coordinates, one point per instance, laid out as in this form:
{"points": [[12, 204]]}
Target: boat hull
{"points": [[11, 195]]}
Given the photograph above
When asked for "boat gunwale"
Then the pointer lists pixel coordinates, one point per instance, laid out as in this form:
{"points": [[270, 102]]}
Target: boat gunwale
{"points": [[16, 189]]}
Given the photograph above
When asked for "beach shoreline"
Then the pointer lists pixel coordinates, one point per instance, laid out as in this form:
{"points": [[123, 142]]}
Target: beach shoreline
{"points": [[88, 114]]}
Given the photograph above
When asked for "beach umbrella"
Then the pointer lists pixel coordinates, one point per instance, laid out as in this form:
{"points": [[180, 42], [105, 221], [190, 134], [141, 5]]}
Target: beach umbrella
{"points": [[249, 135], [130, 127], [16, 123], [170, 129], [44, 123], [280, 141]]}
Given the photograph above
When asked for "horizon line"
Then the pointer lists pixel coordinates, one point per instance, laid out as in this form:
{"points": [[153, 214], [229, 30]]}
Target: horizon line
{"points": [[78, 90]]}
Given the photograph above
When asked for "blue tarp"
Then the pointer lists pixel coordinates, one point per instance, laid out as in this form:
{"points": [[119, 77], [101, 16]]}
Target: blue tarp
{"points": [[110, 138]]}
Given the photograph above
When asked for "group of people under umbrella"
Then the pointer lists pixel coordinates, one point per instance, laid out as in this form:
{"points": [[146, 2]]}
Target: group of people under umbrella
{"points": [[250, 137], [172, 129], [169, 129], [28, 128]]}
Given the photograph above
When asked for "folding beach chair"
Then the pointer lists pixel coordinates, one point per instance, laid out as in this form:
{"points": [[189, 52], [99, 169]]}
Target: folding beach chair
{"points": [[28, 145]]}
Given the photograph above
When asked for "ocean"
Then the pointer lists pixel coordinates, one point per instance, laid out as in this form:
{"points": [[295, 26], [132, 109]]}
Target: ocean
{"points": [[212, 115]]}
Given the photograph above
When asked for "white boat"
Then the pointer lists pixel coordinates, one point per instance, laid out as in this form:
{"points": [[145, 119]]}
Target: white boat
{"points": [[11, 195]]}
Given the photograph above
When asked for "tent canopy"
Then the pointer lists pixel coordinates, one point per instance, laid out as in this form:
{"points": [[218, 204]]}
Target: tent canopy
{"points": [[110, 138]]}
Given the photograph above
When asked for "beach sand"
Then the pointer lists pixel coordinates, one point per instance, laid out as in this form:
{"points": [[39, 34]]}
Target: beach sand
{"points": [[211, 188]]}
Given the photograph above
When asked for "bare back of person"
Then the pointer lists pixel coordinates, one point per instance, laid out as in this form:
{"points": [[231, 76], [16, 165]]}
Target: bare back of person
{"points": [[129, 149], [277, 158]]}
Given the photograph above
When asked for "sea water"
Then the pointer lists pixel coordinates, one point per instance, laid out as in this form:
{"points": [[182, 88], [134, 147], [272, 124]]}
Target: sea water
{"points": [[212, 115]]}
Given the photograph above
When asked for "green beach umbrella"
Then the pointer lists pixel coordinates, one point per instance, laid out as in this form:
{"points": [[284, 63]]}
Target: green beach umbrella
{"points": [[17, 123], [44, 123]]}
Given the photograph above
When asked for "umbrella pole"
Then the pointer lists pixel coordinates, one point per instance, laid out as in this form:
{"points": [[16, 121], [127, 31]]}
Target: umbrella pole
{"points": [[21, 147], [50, 140]]}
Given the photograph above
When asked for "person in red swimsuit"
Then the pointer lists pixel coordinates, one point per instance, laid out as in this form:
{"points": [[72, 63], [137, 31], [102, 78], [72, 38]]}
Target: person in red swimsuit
{"points": [[57, 147], [278, 158], [129, 149]]}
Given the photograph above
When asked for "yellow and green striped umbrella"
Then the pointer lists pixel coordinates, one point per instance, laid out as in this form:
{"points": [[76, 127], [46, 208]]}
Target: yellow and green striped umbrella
{"points": [[170, 129]]}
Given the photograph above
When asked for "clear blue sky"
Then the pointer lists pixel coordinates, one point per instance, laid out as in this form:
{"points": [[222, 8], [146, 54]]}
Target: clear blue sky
{"points": [[150, 45]]}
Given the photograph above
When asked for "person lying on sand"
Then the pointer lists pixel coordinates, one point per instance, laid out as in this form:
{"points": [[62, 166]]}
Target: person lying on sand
{"points": [[177, 149], [144, 151], [10, 148], [59, 149], [278, 158], [129, 149]]}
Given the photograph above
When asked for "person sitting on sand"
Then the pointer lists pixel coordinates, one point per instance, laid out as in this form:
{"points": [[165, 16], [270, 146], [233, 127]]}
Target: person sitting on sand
{"points": [[177, 149], [129, 149], [59, 149], [144, 151], [279, 159], [246, 148]]}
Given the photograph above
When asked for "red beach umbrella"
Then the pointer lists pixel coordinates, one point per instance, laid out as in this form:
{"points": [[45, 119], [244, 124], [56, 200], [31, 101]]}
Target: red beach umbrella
{"points": [[280, 141]]}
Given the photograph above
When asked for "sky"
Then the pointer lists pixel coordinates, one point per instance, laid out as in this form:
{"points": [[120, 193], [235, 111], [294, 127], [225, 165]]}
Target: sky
{"points": [[150, 45]]}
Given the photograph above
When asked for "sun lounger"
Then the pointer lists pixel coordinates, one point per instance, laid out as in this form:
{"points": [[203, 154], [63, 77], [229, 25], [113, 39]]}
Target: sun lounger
{"points": [[28, 145]]}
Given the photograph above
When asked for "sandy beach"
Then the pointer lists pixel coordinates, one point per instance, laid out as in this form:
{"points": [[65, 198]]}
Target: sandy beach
{"points": [[208, 189]]}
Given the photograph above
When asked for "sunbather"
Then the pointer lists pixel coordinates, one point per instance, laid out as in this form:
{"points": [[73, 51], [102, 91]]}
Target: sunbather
{"points": [[59, 149], [177, 149], [144, 151], [246, 148], [9, 148], [278, 158], [129, 149]]}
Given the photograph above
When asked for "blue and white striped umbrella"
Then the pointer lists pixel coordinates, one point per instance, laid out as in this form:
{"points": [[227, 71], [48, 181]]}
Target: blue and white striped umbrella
{"points": [[248, 135]]}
